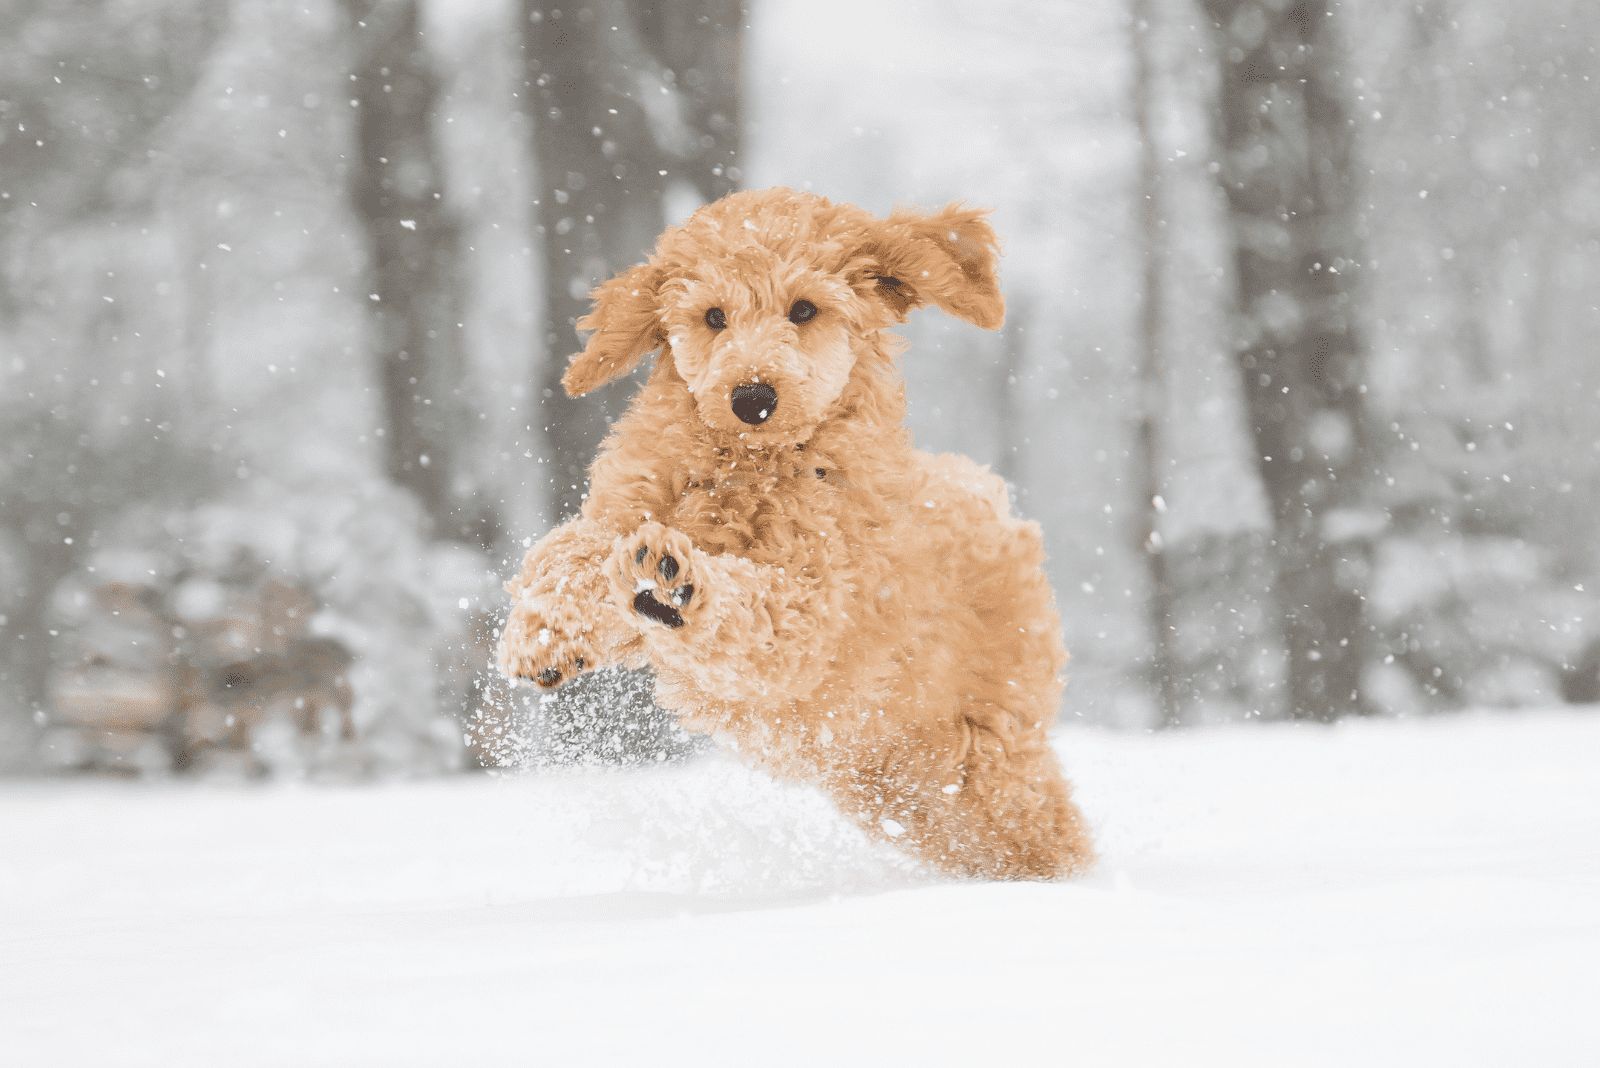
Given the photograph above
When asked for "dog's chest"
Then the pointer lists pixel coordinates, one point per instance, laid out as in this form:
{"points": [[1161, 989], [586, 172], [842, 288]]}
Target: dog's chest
{"points": [[740, 503]]}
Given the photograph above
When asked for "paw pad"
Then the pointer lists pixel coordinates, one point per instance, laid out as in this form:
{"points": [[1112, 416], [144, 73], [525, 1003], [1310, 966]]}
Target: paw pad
{"points": [[656, 571], [651, 608]]}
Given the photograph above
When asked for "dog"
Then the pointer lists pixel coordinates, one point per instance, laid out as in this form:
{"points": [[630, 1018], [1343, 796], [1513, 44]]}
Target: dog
{"points": [[823, 599]]}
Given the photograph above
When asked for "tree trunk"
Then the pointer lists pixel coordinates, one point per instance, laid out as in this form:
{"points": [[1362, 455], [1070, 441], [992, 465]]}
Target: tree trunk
{"points": [[397, 186], [1152, 385], [627, 98], [1008, 387], [1286, 165]]}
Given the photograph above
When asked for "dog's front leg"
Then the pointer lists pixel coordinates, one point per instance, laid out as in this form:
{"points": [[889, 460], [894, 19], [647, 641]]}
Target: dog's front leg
{"points": [[741, 631], [563, 620]]}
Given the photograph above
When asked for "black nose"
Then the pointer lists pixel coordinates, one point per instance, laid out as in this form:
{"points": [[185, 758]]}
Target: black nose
{"points": [[754, 403]]}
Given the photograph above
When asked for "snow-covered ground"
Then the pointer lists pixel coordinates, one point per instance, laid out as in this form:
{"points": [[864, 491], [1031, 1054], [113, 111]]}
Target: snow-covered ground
{"points": [[1406, 893]]}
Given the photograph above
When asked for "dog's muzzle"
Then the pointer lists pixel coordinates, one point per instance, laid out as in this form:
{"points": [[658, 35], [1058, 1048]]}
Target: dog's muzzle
{"points": [[754, 404]]}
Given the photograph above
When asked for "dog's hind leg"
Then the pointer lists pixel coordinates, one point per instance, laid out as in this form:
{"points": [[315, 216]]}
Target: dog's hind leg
{"points": [[1013, 817], [563, 621], [968, 799]]}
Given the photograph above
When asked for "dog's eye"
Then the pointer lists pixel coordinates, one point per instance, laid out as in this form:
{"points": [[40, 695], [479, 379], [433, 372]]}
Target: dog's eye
{"points": [[803, 312], [715, 319]]}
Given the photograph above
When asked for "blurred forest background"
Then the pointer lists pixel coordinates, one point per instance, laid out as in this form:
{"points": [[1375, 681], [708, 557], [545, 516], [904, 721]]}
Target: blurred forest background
{"points": [[1300, 374]]}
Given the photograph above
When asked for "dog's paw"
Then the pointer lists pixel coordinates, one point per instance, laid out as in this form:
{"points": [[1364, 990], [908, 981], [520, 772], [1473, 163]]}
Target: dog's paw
{"points": [[545, 645], [653, 569]]}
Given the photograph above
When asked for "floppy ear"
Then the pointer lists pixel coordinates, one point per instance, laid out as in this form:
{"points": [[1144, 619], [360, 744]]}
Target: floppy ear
{"points": [[626, 324], [947, 258]]}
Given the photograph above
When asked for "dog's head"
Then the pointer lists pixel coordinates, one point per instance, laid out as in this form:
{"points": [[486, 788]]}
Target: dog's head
{"points": [[763, 301]]}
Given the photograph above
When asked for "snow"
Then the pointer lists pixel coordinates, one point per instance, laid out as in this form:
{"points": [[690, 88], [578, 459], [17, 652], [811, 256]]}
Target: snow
{"points": [[1389, 892]]}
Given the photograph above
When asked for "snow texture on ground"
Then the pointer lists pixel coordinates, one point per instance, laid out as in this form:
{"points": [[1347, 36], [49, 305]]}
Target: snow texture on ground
{"points": [[1379, 893]]}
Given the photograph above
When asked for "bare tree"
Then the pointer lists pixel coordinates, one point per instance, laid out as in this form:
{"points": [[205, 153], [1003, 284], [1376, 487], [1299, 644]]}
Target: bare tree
{"points": [[1286, 164], [1152, 388], [1005, 397], [397, 186], [627, 99]]}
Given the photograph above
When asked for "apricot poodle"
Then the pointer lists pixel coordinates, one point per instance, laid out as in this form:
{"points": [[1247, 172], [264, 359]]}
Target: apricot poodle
{"points": [[812, 591]]}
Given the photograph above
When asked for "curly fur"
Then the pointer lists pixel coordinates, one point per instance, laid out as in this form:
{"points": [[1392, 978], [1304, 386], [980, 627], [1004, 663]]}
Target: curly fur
{"points": [[825, 600]]}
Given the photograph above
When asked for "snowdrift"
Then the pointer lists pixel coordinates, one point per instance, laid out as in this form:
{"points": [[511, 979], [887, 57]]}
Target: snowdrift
{"points": [[1412, 892]]}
